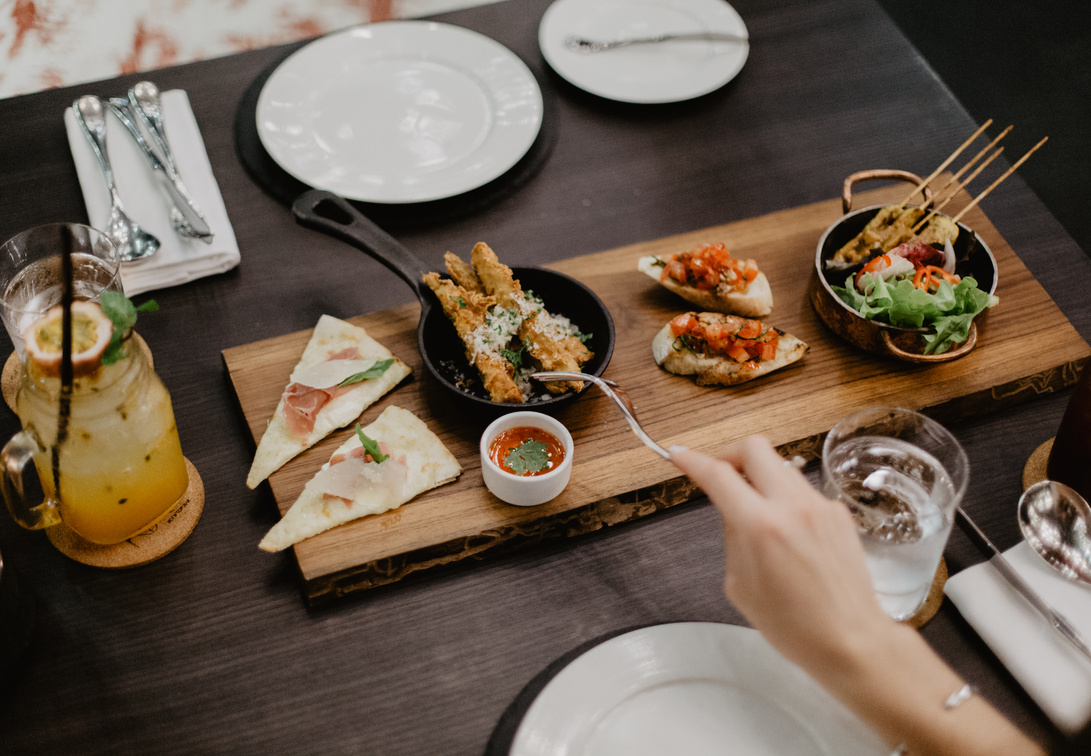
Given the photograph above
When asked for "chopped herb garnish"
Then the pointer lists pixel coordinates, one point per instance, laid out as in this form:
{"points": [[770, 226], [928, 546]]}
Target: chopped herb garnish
{"points": [[122, 313], [374, 371], [460, 300], [528, 458], [515, 357], [659, 263], [371, 446]]}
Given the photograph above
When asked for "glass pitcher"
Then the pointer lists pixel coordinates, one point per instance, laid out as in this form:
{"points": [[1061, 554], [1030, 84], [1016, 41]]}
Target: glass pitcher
{"points": [[120, 469]]}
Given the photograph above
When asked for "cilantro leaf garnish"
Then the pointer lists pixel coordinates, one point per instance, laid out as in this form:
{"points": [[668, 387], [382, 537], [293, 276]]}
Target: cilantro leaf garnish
{"points": [[122, 313], [371, 446], [374, 371], [529, 457]]}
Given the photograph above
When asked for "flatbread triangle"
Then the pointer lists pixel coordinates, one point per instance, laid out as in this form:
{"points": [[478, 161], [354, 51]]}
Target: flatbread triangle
{"points": [[427, 461], [331, 336]]}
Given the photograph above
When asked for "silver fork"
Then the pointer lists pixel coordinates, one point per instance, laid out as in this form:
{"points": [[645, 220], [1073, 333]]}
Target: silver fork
{"points": [[625, 404], [615, 392]]}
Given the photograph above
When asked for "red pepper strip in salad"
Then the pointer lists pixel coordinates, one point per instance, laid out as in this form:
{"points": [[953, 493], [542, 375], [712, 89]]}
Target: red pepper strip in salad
{"points": [[929, 276], [874, 266]]}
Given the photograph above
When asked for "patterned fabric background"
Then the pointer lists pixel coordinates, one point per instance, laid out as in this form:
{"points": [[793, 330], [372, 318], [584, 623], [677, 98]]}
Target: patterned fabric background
{"points": [[53, 43]]}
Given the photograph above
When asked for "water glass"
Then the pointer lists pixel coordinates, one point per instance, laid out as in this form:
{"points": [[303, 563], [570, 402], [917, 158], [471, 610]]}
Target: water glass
{"points": [[30, 272], [903, 476]]}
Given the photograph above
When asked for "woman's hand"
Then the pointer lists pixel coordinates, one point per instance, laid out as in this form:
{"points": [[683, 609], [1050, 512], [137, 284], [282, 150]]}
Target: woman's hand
{"points": [[796, 570], [795, 566]]}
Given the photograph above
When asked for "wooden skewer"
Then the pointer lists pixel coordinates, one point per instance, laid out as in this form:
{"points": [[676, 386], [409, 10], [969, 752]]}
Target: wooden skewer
{"points": [[946, 162], [996, 183], [954, 192], [973, 160]]}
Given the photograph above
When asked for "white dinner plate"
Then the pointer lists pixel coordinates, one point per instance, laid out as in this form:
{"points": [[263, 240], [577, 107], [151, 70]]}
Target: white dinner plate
{"points": [[663, 72], [691, 688], [398, 112]]}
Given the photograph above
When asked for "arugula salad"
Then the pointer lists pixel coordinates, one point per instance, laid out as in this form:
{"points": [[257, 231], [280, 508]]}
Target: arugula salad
{"points": [[914, 286]]}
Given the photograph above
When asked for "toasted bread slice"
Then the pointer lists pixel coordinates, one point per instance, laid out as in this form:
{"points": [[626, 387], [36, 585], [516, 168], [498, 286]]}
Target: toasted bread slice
{"points": [[755, 302], [714, 370]]}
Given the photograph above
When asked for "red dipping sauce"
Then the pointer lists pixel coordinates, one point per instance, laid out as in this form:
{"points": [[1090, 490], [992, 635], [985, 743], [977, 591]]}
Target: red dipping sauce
{"points": [[514, 440]]}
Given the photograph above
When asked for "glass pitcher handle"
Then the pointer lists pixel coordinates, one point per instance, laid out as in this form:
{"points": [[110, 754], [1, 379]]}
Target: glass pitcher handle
{"points": [[15, 455]]}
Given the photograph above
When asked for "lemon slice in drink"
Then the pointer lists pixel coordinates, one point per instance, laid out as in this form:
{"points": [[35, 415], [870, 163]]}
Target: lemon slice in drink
{"points": [[91, 331]]}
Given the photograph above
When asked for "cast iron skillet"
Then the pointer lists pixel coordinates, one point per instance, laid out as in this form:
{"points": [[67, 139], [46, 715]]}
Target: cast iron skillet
{"points": [[439, 344]]}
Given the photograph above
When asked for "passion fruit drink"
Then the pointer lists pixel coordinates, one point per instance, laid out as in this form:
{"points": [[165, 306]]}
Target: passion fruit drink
{"points": [[121, 468]]}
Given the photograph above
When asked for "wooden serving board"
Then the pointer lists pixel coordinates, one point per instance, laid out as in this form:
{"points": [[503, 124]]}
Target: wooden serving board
{"points": [[1026, 347]]}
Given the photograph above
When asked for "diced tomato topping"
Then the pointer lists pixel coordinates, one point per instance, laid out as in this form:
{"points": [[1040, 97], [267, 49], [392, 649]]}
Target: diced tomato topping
{"points": [[708, 267], [742, 343]]}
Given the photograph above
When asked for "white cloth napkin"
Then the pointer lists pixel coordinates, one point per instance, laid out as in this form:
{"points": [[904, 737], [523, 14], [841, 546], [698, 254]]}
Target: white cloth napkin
{"points": [[179, 259], [1052, 672]]}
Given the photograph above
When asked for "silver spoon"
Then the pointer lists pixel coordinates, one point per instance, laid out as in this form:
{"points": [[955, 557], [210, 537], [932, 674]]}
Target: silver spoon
{"points": [[1056, 522], [132, 241], [586, 46]]}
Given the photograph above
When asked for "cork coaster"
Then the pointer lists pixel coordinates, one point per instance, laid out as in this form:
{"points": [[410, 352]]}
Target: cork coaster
{"points": [[1035, 469], [157, 542], [12, 376], [934, 599]]}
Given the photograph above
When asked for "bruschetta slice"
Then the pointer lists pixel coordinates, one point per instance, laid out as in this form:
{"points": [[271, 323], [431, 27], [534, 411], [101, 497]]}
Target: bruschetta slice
{"points": [[723, 350], [712, 279]]}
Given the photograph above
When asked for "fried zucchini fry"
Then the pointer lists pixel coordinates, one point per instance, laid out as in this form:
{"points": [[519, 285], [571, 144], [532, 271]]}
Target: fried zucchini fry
{"points": [[468, 309], [544, 338], [462, 273]]}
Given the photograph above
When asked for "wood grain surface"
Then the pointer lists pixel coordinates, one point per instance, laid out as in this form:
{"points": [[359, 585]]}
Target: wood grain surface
{"points": [[1026, 347], [211, 650]]}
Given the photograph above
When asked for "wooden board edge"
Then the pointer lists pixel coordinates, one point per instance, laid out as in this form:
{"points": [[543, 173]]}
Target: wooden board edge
{"points": [[638, 504]]}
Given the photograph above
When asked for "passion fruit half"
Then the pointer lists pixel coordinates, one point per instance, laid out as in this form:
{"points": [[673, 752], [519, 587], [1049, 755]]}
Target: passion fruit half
{"points": [[91, 331]]}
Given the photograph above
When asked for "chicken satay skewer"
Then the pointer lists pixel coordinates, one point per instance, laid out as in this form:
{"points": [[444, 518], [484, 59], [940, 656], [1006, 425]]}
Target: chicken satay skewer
{"points": [[945, 163], [955, 191], [996, 183]]}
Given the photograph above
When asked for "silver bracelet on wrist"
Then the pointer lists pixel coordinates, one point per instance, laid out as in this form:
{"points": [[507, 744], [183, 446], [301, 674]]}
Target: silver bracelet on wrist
{"points": [[959, 697], [953, 701]]}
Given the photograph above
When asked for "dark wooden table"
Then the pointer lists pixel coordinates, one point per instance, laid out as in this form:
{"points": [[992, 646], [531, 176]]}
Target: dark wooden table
{"points": [[212, 649]]}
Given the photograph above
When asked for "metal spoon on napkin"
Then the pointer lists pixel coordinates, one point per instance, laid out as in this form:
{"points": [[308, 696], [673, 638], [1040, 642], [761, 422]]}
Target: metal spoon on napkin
{"points": [[1056, 521], [133, 242], [1057, 621]]}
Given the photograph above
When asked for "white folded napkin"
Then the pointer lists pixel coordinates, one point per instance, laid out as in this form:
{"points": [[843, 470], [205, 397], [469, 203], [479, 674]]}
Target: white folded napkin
{"points": [[1057, 676], [179, 259]]}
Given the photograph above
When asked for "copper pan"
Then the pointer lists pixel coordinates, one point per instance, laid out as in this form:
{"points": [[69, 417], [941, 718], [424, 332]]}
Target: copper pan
{"points": [[973, 258]]}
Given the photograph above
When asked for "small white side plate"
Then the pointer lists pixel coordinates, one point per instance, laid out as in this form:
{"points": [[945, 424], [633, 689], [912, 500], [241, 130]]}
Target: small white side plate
{"points": [[652, 73], [398, 112], [690, 687]]}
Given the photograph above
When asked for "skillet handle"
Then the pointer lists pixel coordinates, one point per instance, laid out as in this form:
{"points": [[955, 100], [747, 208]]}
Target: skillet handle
{"points": [[880, 173], [332, 214]]}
